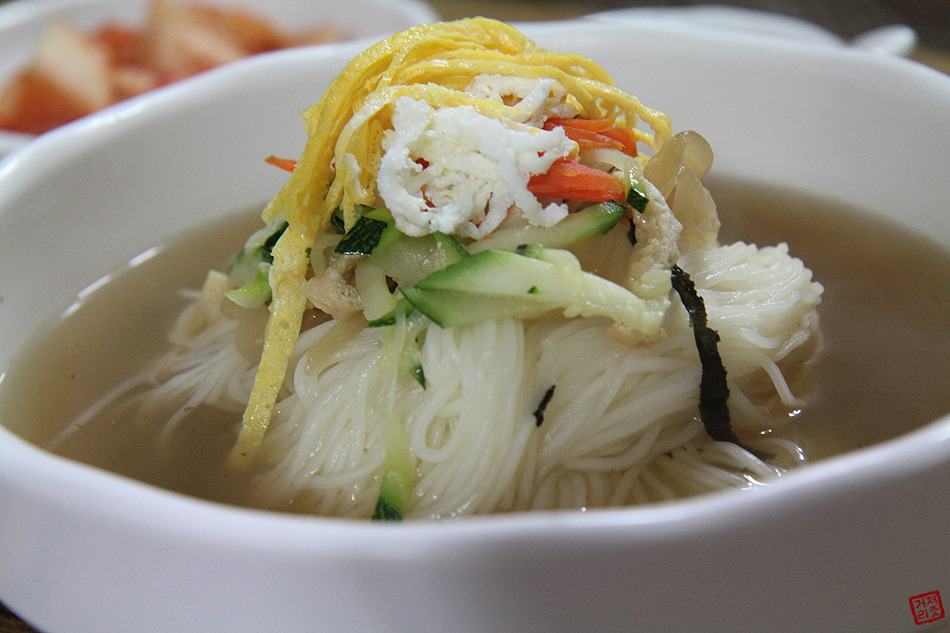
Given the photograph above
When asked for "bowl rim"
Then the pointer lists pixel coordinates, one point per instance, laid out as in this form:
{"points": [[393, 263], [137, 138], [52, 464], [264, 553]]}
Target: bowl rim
{"points": [[52, 478]]}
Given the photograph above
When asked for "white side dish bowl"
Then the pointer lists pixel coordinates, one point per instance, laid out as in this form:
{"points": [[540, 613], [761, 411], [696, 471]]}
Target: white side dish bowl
{"points": [[840, 545], [23, 21]]}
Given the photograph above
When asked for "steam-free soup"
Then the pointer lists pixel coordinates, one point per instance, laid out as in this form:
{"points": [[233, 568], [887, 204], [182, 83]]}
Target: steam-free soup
{"points": [[885, 316]]}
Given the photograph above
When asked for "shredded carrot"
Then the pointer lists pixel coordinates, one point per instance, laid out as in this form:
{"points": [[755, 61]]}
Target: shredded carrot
{"points": [[627, 138], [287, 164], [586, 139], [594, 133], [591, 125], [570, 180]]}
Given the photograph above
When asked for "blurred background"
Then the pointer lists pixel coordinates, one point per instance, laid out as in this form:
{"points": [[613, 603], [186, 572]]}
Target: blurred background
{"points": [[846, 18]]}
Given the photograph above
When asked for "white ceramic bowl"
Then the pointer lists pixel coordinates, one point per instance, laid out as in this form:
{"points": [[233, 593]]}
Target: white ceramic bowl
{"points": [[841, 545], [23, 21], [892, 39]]}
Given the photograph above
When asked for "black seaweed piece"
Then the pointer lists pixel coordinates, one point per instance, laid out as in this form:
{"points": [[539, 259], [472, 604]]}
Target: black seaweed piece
{"points": [[385, 512], [545, 399], [632, 233], [713, 390]]}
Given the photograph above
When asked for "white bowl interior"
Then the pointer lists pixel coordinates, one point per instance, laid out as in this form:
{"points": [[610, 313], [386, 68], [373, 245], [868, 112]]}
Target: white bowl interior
{"points": [[81, 200], [23, 21]]}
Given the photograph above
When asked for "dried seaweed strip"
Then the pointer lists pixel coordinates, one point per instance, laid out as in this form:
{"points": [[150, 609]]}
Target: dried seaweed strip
{"points": [[539, 412], [713, 390]]}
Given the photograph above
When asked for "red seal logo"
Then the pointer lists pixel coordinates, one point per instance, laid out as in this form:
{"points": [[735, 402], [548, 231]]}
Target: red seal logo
{"points": [[927, 607]]}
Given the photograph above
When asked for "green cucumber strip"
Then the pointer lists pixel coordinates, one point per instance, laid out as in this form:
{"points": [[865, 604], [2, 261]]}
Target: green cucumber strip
{"points": [[499, 284], [410, 355], [419, 374], [403, 308], [257, 249], [637, 199], [256, 292], [362, 238], [393, 501], [579, 226], [408, 259], [383, 510], [399, 470], [370, 283], [374, 229], [636, 190], [449, 248]]}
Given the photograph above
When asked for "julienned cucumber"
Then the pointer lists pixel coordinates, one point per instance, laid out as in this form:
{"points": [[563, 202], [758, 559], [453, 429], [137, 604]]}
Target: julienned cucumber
{"points": [[398, 480], [257, 250], [255, 292], [636, 191], [584, 224], [251, 265], [374, 229], [408, 259], [499, 284]]}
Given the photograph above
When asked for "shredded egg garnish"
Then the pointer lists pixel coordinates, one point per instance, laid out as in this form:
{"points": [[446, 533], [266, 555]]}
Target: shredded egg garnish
{"points": [[486, 69]]}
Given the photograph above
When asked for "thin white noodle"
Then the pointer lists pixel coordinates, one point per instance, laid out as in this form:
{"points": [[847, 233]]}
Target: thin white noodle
{"points": [[620, 428]]}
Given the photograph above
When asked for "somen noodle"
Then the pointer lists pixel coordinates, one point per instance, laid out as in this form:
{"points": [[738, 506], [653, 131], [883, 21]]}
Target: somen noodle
{"points": [[461, 301]]}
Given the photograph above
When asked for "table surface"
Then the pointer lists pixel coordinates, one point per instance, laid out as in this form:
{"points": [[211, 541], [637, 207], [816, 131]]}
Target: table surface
{"points": [[934, 52]]}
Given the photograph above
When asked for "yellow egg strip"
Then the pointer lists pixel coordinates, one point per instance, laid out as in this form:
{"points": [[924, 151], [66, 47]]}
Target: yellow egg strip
{"points": [[338, 165], [576, 65], [302, 202], [287, 277]]}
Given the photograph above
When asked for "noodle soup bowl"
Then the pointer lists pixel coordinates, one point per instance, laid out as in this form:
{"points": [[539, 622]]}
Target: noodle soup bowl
{"points": [[854, 542]]}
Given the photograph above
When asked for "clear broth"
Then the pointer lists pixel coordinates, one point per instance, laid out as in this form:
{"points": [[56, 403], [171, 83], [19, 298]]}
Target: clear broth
{"points": [[883, 372], [885, 313]]}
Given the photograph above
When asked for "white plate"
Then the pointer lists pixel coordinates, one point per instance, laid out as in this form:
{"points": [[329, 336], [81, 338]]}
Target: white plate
{"points": [[841, 545], [23, 21]]}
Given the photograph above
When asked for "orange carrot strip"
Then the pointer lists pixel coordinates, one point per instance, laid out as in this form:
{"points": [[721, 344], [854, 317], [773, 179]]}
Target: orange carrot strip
{"points": [[592, 125], [593, 133], [287, 164], [570, 180], [586, 139], [626, 137]]}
